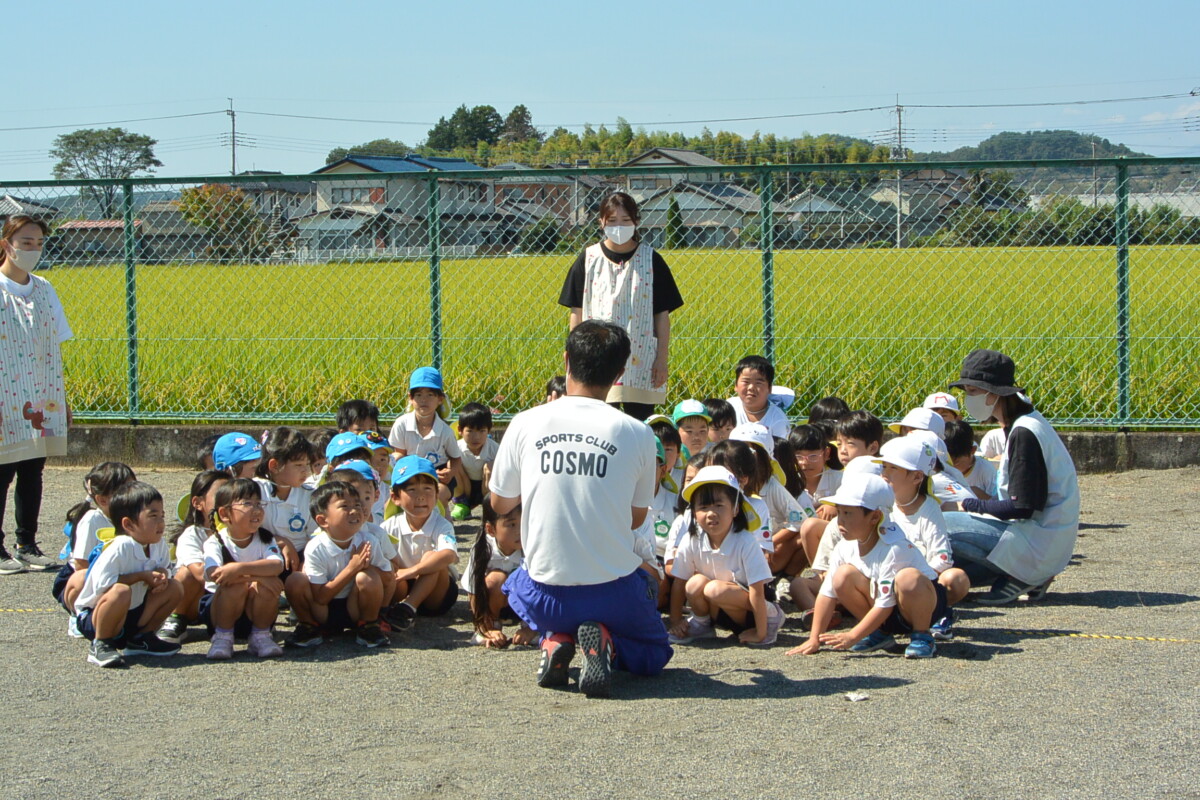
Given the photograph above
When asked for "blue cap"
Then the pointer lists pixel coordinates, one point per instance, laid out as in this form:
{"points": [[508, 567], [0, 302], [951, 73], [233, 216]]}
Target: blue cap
{"points": [[343, 443], [410, 467], [426, 378], [374, 440], [361, 467], [234, 448]]}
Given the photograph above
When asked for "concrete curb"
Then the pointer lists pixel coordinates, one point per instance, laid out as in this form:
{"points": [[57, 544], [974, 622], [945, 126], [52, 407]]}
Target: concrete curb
{"points": [[175, 446]]}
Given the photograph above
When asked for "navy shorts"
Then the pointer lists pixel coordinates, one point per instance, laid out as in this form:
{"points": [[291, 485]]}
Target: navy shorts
{"points": [[60, 583], [88, 628], [339, 618], [723, 620], [241, 628], [447, 602], [897, 624]]}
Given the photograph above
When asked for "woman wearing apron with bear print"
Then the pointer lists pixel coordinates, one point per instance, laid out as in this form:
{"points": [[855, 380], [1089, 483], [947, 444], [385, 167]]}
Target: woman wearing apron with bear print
{"points": [[33, 403], [623, 280]]}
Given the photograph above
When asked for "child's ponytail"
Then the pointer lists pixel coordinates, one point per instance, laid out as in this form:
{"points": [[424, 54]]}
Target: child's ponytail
{"points": [[481, 554]]}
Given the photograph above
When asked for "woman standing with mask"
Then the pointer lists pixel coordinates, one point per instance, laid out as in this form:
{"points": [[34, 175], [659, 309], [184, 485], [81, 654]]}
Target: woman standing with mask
{"points": [[1028, 534], [33, 403], [623, 280]]}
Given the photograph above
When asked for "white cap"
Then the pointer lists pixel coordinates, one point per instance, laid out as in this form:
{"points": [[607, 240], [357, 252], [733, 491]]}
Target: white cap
{"points": [[942, 400], [711, 476], [923, 419], [939, 447], [862, 491], [653, 418], [783, 397], [757, 434], [908, 452], [864, 465]]}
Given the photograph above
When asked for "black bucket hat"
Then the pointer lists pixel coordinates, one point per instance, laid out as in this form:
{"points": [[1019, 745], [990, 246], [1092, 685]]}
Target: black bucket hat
{"points": [[989, 370]]}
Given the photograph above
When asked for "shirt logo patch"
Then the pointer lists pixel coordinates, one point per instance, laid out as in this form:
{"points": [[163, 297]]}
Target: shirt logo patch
{"points": [[794, 516], [296, 523]]}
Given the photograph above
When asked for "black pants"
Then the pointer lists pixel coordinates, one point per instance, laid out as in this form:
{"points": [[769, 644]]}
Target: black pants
{"points": [[28, 497], [639, 411]]}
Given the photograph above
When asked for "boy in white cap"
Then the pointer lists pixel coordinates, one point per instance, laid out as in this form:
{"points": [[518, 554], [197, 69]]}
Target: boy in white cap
{"points": [[979, 473], [877, 575], [944, 404]]}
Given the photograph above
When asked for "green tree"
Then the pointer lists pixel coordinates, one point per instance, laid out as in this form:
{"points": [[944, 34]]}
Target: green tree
{"points": [[542, 237], [375, 147], [518, 126], [111, 153], [673, 235], [228, 214]]}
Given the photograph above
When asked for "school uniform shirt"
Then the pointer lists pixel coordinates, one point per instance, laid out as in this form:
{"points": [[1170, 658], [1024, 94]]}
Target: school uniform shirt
{"points": [[324, 560], [256, 550], [86, 533], [380, 508], [122, 556], [411, 545], [831, 481], [982, 476], [439, 446], [380, 537], [926, 528], [473, 464], [678, 530], [830, 538], [762, 532], [991, 446], [947, 488], [773, 420], [579, 466], [786, 511], [290, 518], [660, 517], [497, 562], [189, 547], [738, 560], [890, 554]]}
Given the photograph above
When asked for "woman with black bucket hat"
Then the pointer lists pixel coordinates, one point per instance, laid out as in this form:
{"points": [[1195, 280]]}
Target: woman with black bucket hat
{"points": [[1019, 541]]}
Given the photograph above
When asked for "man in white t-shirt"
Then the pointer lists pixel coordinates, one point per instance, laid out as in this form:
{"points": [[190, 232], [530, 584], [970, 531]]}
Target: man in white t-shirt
{"points": [[584, 474]]}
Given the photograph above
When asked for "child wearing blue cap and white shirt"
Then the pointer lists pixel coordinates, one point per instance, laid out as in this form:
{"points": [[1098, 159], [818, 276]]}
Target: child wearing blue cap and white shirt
{"points": [[423, 432], [877, 575], [425, 544], [238, 454]]}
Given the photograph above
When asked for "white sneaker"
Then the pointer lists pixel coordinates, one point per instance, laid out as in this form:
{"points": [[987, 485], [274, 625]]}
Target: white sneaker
{"points": [[73, 627], [697, 629], [262, 645], [221, 647]]}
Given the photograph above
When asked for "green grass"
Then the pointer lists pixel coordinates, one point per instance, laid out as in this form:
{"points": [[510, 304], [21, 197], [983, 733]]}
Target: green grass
{"points": [[881, 328]]}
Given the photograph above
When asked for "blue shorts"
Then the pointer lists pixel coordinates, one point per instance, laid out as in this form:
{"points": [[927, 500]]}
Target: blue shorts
{"points": [[60, 584], [241, 628], [86, 626], [897, 624]]}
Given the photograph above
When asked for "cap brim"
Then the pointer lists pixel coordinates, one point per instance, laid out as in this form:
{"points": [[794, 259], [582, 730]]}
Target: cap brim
{"points": [[183, 506], [653, 418], [691, 488], [1001, 391]]}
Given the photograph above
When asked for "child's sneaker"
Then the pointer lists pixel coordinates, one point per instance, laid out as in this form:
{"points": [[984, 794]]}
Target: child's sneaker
{"points": [[697, 629], [221, 648], [875, 640], [102, 653], [262, 645], [557, 652], [370, 635], [775, 618], [73, 627], [595, 677], [174, 630], [147, 644], [400, 616], [943, 629], [305, 635], [920, 646]]}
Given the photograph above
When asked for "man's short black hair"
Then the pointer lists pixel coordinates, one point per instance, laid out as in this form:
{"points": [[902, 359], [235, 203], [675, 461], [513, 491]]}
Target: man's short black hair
{"points": [[596, 352], [476, 416], [960, 438], [764, 367], [363, 413], [721, 411]]}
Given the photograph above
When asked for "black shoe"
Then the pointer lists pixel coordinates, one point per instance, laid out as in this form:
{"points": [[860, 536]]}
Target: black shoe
{"points": [[371, 635], [1004, 591], [147, 644], [400, 616], [174, 630], [34, 559], [595, 677], [305, 635], [557, 652], [103, 654]]}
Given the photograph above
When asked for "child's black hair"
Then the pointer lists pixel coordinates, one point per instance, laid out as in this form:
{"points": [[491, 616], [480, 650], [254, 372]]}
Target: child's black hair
{"points": [[828, 409], [757, 363], [357, 454], [480, 555], [698, 461], [707, 494], [668, 433], [959, 438], [357, 413], [556, 386], [815, 436], [229, 493], [475, 416], [320, 440], [204, 453], [129, 502], [103, 479], [785, 455], [862, 425], [201, 485], [283, 444], [721, 411], [737, 457], [327, 492]]}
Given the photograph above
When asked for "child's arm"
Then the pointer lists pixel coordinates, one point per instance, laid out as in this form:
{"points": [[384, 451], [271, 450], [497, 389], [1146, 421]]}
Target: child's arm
{"points": [[322, 593], [866, 626], [150, 577], [245, 571], [431, 562], [291, 559], [460, 477], [822, 615], [758, 605], [677, 624]]}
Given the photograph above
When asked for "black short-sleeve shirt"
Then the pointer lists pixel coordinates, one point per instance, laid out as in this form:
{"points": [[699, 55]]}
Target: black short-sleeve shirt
{"points": [[666, 293]]}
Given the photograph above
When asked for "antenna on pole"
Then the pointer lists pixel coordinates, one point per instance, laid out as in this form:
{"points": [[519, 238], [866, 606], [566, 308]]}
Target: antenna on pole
{"points": [[232, 138]]}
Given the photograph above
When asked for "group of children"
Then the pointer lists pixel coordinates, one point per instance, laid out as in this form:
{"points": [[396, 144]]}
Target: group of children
{"points": [[351, 530]]}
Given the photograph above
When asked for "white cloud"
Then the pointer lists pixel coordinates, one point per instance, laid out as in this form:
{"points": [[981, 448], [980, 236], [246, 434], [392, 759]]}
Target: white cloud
{"points": [[1185, 110], [1116, 118], [988, 126]]}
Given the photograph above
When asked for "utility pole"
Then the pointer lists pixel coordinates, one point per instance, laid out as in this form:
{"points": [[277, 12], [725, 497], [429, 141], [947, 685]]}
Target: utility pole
{"points": [[232, 138], [898, 154], [1095, 185]]}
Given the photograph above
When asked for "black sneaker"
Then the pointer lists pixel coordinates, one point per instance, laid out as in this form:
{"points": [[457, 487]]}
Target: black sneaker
{"points": [[371, 635], [8, 564], [147, 644], [400, 616], [174, 630], [1004, 591], [595, 677], [305, 635], [103, 654], [557, 652], [34, 559]]}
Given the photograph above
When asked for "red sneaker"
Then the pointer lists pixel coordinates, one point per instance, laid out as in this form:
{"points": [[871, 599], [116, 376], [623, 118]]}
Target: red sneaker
{"points": [[595, 677], [557, 652]]}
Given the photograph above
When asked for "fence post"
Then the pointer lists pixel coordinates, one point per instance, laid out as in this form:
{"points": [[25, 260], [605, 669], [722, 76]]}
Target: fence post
{"points": [[766, 235], [1122, 234], [131, 328], [435, 272]]}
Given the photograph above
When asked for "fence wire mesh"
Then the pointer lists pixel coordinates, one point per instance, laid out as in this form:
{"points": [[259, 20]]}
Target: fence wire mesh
{"points": [[269, 297]]}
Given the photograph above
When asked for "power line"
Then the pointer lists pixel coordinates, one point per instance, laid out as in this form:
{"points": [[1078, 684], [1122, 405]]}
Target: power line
{"points": [[110, 122]]}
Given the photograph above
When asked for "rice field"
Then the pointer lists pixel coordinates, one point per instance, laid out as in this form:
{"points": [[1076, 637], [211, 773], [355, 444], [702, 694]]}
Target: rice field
{"points": [[881, 328]]}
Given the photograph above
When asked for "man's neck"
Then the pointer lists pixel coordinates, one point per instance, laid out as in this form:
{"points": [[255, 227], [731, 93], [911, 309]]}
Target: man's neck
{"points": [[577, 389]]}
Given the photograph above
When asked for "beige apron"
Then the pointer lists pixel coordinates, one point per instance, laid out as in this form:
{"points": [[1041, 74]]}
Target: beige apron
{"points": [[33, 402]]}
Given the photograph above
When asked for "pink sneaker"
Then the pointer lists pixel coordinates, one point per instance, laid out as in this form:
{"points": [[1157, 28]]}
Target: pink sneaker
{"points": [[221, 648], [262, 645]]}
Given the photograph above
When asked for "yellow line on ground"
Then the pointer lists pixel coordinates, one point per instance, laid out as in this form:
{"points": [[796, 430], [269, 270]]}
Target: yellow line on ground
{"points": [[27, 610], [1077, 635]]}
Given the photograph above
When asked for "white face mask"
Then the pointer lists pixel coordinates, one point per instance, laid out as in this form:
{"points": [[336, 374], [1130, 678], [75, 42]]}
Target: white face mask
{"points": [[619, 234], [26, 259], [979, 408]]}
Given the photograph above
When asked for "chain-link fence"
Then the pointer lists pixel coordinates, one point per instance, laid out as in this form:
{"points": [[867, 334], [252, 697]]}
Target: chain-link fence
{"points": [[267, 297]]}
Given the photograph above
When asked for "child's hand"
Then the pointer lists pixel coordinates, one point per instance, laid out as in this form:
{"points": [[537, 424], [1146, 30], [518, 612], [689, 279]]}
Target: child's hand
{"points": [[445, 474], [225, 575], [157, 581], [524, 637], [750, 636], [839, 641], [291, 559], [810, 647], [826, 512], [494, 639], [361, 558]]}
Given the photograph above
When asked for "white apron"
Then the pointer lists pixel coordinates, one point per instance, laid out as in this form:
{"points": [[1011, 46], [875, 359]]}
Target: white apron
{"points": [[1036, 549], [33, 402], [624, 294]]}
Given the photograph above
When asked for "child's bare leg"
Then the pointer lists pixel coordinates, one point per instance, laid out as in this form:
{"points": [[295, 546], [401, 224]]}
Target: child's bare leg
{"points": [[366, 596], [73, 588], [853, 590], [798, 561], [387, 579], [786, 545], [440, 585], [159, 606], [428, 589], [916, 598], [664, 593], [108, 617], [957, 585], [730, 598], [228, 603], [189, 604], [810, 536], [496, 599], [694, 589], [300, 597], [262, 601], [804, 592]]}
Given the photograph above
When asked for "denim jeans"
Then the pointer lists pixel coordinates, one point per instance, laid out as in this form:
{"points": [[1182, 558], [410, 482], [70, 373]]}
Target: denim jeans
{"points": [[972, 539]]}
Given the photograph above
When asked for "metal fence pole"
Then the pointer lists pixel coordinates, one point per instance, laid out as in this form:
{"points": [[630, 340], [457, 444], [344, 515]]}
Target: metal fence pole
{"points": [[1122, 235], [766, 235], [435, 272], [131, 327]]}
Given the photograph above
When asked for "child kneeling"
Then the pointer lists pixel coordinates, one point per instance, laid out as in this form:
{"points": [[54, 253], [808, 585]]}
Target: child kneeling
{"points": [[341, 585], [877, 575], [495, 555]]}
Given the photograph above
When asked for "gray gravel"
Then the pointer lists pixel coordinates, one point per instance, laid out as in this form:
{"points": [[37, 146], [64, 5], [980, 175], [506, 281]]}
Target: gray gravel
{"points": [[999, 713]]}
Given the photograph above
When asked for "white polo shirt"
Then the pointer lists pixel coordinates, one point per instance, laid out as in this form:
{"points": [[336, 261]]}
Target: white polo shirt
{"points": [[926, 528], [497, 562], [890, 554], [786, 511], [774, 420], [256, 550], [578, 466], [411, 545], [738, 560], [473, 464], [122, 556], [439, 446], [324, 560], [189, 547], [982, 476], [86, 533], [289, 518]]}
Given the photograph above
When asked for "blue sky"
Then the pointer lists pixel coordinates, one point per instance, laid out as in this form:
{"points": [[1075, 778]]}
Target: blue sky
{"points": [[661, 63]]}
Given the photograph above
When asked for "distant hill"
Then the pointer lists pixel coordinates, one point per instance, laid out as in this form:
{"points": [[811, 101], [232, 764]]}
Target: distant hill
{"points": [[1010, 145]]}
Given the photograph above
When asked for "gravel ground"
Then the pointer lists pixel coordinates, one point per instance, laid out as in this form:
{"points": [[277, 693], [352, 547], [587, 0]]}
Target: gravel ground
{"points": [[1001, 712]]}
